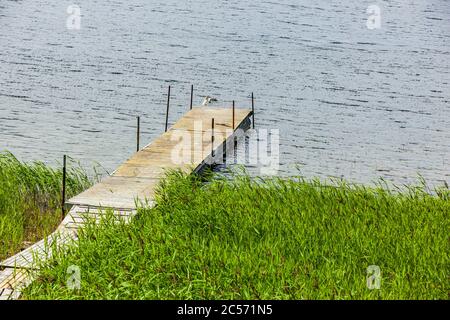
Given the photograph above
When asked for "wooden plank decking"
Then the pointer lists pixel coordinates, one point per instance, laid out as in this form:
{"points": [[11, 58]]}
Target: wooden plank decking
{"points": [[132, 184]]}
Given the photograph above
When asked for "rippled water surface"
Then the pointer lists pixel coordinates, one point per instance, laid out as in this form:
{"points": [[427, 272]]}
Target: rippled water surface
{"points": [[348, 101]]}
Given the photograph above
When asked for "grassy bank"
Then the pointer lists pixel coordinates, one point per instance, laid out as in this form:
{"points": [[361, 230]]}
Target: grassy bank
{"points": [[30, 201], [274, 239]]}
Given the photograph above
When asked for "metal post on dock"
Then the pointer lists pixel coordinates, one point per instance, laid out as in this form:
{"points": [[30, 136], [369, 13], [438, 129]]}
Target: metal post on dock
{"points": [[192, 96], [233, 114], [167, 111], [212, 137], [138, 129], [63, 196], [253, 111], [234, 137]]}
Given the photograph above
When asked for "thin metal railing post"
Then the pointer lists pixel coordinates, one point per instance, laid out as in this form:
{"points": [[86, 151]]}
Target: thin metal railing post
{"points": [[167, 111], [233, 115], [192, 96], [138, 129], [212, 137], [253, 111], [63, 195]]}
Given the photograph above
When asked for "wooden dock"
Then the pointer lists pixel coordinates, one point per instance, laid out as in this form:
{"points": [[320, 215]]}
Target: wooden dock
{"points": [[131, 185]]}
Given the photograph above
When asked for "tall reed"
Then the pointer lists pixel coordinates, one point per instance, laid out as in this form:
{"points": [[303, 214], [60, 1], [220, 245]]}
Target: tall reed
{"points": [[30, 200], [263, 239]]}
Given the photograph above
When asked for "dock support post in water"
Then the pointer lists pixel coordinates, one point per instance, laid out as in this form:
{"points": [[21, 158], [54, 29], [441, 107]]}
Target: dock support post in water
{"points": [[63, 195], [167, 111], [138, 129]]}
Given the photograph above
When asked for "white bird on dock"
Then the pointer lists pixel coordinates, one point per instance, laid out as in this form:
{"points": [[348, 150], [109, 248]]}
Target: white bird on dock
{"points": [[207, 100]]}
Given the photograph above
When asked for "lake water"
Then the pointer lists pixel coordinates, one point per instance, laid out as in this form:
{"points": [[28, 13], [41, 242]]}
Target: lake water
{"points": [[348, 101]]}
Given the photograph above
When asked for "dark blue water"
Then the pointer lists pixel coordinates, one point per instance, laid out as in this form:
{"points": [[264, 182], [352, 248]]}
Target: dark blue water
{"points": [[348, 101]]}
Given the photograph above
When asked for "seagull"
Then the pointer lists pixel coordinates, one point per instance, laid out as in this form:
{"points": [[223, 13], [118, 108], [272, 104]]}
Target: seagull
{"points": [[207, 100]]}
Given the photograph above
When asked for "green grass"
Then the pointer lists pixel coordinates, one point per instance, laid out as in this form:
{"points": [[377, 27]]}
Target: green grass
{"points": [[263, 239], [30, 201]]}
